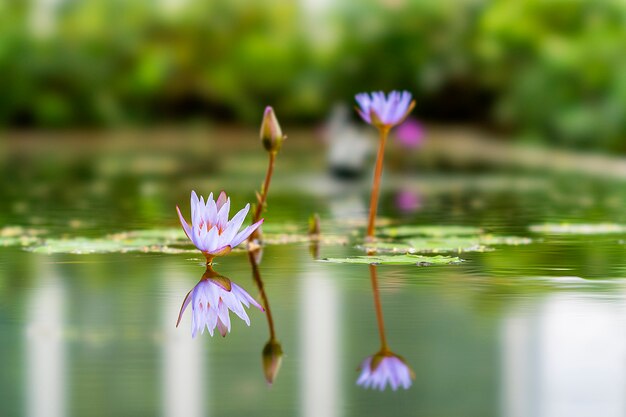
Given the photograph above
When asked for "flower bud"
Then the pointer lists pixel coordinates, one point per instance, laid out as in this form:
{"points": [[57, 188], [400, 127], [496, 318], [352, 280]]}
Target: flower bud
{"points": [[271, 134], [272, 359]]}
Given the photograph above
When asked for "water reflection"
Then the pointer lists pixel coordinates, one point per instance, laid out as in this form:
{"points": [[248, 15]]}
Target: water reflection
{"points": [[565, 358], [320, 335], [184, 384], [272, 355], [211, 299], [384, 367], [46, 351]]}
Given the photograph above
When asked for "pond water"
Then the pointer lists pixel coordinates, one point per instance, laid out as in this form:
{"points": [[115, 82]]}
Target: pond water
{"points": [[534, 329]]}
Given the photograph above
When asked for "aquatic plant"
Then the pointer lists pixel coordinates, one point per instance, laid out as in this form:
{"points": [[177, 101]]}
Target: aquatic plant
{"points": [[382, 112], [272, 139], [211, 299], [210, 230]]}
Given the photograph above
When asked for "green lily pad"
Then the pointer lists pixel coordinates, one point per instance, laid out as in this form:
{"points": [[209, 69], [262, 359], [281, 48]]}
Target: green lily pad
{"points": [[19, 236], [287, 238], [153, 236], [281, 228], [578, 228], [434, 231], [89, 246], [459, 244], [418, 260], [18, 241]]}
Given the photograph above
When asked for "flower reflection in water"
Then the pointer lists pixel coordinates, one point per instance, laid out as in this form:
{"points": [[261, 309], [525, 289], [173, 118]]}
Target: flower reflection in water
{"points": [[385, 367], [211, 299]]}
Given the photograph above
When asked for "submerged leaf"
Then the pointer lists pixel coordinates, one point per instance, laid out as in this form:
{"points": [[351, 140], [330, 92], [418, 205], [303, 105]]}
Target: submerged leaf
{"points": [[578, 229], [397, 260], [434, 231]]}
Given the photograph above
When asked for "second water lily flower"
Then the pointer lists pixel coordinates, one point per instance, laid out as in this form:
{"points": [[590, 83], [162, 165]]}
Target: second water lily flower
{"points": [[385, 368], [384, 111], [210, 230]]}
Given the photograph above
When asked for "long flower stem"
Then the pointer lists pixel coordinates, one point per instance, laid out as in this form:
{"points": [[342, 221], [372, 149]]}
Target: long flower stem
{"points": [[384, 132], [264, 190], [379, 310], [259, 283]]}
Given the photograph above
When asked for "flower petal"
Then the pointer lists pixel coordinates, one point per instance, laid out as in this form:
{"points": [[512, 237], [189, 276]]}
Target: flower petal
{"points": [[222, 215], [221, 200], [184, 223], [243, 235], [233, 226]]}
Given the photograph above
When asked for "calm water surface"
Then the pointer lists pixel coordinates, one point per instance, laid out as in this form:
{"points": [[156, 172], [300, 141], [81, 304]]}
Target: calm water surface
{"points": [[531, 330]]}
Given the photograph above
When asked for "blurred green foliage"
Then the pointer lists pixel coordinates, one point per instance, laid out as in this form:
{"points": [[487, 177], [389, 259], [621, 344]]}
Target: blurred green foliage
{"points": [[551, 70]]}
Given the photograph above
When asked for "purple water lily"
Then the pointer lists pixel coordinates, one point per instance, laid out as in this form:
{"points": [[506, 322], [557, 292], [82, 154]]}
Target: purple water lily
{"points": [[380, 110], [210, 230], [211, 299], [385, 368]]}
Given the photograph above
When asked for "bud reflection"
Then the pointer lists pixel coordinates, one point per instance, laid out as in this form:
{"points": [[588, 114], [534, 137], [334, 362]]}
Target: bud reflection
{"points": [[384, 367], [272, 354], [211, 299], [272, 359]]}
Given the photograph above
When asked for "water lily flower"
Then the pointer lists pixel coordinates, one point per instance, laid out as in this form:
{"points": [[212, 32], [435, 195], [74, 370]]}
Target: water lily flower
{"points": [[384, 111], [210, 230], [385, 368], [211, 299]]}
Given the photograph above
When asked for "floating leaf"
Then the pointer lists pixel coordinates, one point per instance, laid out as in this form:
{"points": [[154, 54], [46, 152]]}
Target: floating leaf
{"points": [[448, 244], [153, 236], [434, 231], [286, 238], [397, 260], [578, 229], [19, 236], [480, 243], [281, 228], [392, 247], [19, 231], [18, 241], [87, 246]]}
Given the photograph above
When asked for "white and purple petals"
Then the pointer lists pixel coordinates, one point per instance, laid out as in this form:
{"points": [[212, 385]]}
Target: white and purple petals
{"points": [[390, 370], [376, 108], [211, 303], [210, 230]]}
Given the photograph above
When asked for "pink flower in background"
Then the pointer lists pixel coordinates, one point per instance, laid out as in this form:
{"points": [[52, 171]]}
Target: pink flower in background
{"points": [[380, 110], [408, 201], [385, 368], [211, 299], [410, 133], [210, 229]]}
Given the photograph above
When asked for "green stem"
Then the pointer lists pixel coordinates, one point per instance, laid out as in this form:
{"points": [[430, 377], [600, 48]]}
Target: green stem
{"points": [[265, 189]]}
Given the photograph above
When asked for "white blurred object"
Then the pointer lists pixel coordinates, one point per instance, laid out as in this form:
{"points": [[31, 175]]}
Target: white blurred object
{"points": [[349, 146], [46, 350], [565, 358]]}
